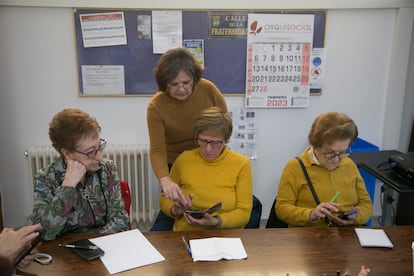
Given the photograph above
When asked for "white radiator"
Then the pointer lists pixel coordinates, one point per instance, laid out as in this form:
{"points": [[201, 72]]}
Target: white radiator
{"points": [[133, 165]]}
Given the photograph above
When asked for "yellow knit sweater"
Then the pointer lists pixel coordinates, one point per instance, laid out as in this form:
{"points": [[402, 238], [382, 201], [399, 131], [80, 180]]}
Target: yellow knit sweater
{"points": [[295, 200], [228, 179], [171, 123]]}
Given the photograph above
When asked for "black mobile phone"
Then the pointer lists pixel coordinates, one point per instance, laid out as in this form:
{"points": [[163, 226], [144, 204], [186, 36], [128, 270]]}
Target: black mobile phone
{"points": [[87, 254], [195, 213], [345, 215], [200, 213], [29, 249]]}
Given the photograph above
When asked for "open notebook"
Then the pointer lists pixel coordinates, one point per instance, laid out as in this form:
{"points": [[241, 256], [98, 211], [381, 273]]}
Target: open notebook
{"points": [[214, 249], [373, 238]]}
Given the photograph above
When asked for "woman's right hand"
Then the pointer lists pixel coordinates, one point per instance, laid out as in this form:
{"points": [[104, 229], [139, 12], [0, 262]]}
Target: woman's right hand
{"points": [[178, 208], [324, 209], [172, 191], [74, 173]]}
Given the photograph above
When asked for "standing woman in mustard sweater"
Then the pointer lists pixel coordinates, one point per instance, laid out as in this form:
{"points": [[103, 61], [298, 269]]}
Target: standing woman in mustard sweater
{"points": [[182, 95], [210, 174]]}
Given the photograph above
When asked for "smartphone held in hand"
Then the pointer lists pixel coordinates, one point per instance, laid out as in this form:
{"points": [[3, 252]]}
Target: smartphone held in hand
{"points": [[29, 249], [200, 213], [345, 215]]}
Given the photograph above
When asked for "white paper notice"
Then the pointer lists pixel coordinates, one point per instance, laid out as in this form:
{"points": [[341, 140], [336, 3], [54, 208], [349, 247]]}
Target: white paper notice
{"points": [[127, 250], [103, 79], [318, 68], [103, 29], [167, 30]]}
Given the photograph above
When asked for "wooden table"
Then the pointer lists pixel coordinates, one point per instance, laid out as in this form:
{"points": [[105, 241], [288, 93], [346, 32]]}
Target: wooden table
{"points": [[297, 251]]}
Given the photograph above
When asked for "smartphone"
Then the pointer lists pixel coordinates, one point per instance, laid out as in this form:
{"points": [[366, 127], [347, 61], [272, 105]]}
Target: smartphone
{"points": [[200, 213], [87, 254], [29, 249], [345, 215]]}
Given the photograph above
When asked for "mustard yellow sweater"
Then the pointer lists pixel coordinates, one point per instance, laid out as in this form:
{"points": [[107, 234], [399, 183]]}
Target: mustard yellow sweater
{"points": [[295, 200], [171, 123], [228, 179]]}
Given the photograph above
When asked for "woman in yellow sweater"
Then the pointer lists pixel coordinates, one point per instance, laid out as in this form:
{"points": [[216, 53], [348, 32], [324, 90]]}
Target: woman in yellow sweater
{"points": [[182, 95], [331, 172], [210, 174]]}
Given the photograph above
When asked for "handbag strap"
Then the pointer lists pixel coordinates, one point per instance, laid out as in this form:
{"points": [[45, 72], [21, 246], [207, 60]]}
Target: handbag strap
{"points": [[305, 172]]}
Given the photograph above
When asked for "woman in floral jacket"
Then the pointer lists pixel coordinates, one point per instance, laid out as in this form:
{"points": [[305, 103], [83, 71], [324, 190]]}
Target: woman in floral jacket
{"points": [[79, 191]]}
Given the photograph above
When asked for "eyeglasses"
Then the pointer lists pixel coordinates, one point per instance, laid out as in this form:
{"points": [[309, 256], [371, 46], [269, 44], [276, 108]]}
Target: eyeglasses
{"points": [[185, 84], [333, 155], [92, 153], [213, 144]]}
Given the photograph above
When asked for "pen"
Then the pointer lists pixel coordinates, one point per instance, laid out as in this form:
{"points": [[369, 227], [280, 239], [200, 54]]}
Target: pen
{"points": [[186, 245], [335, 196], [84, 247]]}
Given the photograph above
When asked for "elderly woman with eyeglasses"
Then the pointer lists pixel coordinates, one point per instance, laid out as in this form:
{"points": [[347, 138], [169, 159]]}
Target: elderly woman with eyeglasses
{"points": [[210, 174], [335, 178], [183, 94], [79, 191]]}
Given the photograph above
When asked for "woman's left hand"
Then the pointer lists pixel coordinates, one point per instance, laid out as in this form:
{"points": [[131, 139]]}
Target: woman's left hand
{"points": [[28, 259], [351, 220]]}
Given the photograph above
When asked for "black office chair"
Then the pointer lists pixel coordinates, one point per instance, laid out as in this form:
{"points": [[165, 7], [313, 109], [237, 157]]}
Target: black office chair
{"points": [[255, 215], [273, 221]]}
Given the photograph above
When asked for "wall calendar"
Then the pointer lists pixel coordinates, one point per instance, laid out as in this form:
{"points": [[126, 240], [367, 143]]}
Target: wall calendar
{"points": [[279, 48]]}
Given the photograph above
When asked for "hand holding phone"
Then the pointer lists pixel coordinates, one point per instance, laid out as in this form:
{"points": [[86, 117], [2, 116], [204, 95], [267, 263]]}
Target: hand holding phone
{"points": [[29, 249], [345, 215], [200, 213]]}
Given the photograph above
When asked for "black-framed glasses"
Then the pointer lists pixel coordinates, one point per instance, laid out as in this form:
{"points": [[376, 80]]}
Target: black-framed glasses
{"points": [[340, 155], [214, 144], [92, 153], [185, 84]]}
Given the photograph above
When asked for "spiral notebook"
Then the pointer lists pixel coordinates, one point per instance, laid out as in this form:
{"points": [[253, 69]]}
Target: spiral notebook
{"points": [[373, 238]]}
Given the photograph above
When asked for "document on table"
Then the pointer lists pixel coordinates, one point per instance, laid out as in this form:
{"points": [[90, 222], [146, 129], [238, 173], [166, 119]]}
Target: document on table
{"points": [[373, 238], [127, 250], [214, 249]]}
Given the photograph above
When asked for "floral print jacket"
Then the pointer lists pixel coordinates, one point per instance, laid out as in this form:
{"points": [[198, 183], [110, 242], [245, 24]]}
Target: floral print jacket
{"points": [[96, 207]]}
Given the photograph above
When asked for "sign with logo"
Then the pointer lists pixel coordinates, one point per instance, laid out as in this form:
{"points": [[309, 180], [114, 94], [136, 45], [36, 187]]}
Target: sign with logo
{"points": [[279, 48], [227, 25]]}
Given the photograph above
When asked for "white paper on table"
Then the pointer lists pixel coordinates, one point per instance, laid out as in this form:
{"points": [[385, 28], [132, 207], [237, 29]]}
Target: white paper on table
{"points": [[214, 249], [127, 250], [373, 238]]}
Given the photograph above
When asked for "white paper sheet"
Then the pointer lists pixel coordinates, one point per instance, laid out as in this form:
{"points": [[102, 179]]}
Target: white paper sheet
{"points": [[214, 249], [167, 30], [127, 250], [373, 238]]}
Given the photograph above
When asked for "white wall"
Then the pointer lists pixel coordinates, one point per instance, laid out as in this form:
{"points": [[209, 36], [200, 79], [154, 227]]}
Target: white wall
{"points": [[38, 78]]}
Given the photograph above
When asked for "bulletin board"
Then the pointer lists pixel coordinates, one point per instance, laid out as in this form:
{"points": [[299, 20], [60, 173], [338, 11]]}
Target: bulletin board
{"points": [[225, 58]]}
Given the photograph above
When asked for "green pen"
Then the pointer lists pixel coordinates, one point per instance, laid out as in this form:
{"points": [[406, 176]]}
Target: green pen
{"points": [[335, 196]]}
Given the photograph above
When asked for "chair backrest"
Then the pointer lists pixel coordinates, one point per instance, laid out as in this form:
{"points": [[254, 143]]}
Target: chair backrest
{"points": [[273, 221], [126, 196], [256, 214]]}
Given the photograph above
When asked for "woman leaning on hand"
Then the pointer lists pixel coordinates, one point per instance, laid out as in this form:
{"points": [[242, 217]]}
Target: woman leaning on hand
{"points": [[331, 171], [79, 191]]}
